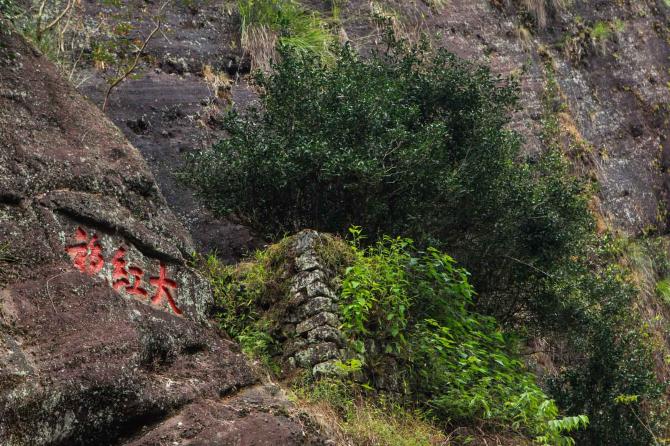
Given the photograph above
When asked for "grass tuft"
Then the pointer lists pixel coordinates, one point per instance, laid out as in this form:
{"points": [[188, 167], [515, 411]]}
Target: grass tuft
{"points": [[266, 23], [350, 418]]}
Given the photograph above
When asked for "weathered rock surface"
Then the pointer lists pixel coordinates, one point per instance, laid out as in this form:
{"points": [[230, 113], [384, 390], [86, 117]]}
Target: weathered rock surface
{"points": [[103, 331], [171, 108], [607, 61]]}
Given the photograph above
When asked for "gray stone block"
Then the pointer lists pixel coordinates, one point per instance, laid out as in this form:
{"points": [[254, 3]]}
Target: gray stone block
{"points": [[313, 306], [325, 333], [307, 261], [316, 354], [317, 320], [305, 278], [319, 288]]}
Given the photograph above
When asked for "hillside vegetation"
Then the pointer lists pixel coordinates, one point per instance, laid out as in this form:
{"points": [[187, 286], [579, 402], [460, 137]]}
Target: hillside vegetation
{"points": [[411, 142], [484, 296]]}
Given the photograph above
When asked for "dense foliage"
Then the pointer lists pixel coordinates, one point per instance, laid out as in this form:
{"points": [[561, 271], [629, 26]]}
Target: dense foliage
{"points": [[404, 143], [607, 350], [414, 143], [413, 335], [7, 7], [417, 309]]}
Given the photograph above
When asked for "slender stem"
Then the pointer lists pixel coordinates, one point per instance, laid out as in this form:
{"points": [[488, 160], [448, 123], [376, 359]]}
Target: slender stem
{"points": [[528, 265], [38, 27], [656, 442], [55, 21], [132, 67]]}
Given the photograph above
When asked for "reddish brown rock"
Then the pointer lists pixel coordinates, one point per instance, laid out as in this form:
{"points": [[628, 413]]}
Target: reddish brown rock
{"points": [[104, 336]]}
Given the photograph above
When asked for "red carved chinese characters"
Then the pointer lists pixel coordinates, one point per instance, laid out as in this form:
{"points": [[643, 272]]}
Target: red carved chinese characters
{"points": [[163, 286], [87, 255], [120, 275], [87, 258]]}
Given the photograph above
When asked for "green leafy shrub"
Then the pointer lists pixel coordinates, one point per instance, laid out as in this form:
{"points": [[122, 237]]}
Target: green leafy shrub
{"points": [[7, 7], [243, 294], [607, 350], [418, 309]]}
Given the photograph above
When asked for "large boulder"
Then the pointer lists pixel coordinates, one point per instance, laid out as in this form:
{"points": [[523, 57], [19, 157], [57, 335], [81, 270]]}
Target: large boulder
{"points": [[104, 336]]}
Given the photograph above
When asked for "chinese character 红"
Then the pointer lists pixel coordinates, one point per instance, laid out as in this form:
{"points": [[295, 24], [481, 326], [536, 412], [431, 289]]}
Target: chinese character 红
{"points": [[120, 275]]}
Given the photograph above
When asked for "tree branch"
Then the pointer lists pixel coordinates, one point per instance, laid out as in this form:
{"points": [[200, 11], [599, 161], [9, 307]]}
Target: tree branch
{"points": [[132, 67], [55, 21], [39, 32]]}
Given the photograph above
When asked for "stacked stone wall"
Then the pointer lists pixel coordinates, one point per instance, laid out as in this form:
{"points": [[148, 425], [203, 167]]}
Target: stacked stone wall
{"points": [[310, 325]]}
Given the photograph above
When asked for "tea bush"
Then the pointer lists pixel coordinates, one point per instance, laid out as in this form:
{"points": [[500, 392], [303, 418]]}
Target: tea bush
{"points": [[404, 143]]}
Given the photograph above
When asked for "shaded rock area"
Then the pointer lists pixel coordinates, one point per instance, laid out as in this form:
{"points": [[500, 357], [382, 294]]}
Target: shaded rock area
{"points": [[103, 330], [252, 410], [173, 103]]}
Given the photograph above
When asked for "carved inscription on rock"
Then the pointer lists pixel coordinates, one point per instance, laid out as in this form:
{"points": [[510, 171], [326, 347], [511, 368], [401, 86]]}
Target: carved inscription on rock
{"points": [[127, 278]]}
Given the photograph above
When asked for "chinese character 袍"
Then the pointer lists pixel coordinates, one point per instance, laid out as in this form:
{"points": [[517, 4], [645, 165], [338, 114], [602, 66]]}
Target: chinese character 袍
{"points": [[86, 255]]}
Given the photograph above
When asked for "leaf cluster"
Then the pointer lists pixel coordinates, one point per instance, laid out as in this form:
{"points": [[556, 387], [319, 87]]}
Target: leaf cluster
{"points": [[417, 307]]}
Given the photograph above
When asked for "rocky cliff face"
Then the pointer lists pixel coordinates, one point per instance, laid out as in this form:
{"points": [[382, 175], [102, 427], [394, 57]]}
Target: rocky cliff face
{"points": [[599, 67], [103, 331]]}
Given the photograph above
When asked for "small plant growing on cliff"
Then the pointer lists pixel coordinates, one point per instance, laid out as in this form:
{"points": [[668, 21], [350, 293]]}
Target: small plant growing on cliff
{"points": [[126, 65], [50, 25], [264, 23]]}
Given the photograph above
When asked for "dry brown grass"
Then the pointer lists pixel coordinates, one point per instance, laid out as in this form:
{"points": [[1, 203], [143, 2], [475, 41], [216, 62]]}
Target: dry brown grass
{"points": [[407, 20], [539, 8], [350, 418], [384, 15], [368, 425], [260, 43], [219, 82]]}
